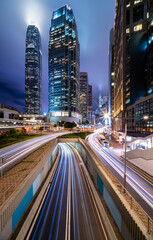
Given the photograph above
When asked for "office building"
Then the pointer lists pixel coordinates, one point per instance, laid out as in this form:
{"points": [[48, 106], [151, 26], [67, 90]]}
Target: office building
{"points": [[150, 49], [100, 101], [8, 112], [84, 95], [111, 74], [140, 116], [102, 110], [89, 118], [64, 67], [130, 58], [33, 82]]}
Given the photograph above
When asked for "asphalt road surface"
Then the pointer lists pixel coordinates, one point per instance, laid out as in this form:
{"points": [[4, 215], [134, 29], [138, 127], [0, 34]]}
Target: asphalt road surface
{"points": [[69, 211]]}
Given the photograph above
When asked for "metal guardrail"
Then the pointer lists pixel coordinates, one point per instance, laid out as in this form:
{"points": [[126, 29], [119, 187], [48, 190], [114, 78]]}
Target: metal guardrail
{"points": [[134, 205]]}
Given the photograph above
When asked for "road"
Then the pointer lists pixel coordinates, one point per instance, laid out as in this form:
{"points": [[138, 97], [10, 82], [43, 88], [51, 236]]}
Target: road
{"points": [[139, 186], [11, 155], [69, 211]]}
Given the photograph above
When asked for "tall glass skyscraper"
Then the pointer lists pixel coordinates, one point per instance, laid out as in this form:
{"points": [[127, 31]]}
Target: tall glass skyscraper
{"points": [[64, 67], [33, 95], [84, 95]]}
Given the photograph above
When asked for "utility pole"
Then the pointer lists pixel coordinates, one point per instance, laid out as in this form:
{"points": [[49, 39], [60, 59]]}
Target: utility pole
{"points": [[125, 153], [1, 163]]}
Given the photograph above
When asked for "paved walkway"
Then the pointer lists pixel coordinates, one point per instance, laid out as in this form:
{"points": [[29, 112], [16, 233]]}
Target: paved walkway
{"points": [[145, 165]]}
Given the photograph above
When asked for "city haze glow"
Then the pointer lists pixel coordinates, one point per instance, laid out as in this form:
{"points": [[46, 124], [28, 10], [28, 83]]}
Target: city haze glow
{"points": [[34, 14]]}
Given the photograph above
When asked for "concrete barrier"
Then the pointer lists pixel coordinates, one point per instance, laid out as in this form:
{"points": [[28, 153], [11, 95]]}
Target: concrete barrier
{"points": [[36, 208]]}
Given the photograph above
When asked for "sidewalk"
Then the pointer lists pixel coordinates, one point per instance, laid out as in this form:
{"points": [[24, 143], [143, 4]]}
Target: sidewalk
{"points": [[145, 165]]}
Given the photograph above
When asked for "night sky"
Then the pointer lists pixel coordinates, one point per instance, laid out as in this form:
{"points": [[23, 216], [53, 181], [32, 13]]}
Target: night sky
{"points": [[94, 20]]}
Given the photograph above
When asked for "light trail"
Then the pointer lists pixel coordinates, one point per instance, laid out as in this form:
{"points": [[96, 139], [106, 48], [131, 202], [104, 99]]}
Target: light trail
{"points": [[14, 154], [138, 183], [68, 211]]}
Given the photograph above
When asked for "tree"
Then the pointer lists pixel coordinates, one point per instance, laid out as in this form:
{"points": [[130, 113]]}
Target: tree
{"points": [[69, 125], [22, 131], [61, 123], [13, 132]]}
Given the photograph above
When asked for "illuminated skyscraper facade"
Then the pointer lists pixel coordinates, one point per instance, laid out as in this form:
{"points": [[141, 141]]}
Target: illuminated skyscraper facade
{"points": [[111, 73], [130, 56], [64, 67], [150, 49], [84, 95], [33, 92], [89, 103]]}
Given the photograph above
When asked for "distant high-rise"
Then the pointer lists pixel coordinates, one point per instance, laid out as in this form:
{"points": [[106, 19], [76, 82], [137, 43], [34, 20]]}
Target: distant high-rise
{"points": [[33, 89], [100, 101], [64, 67], [89, 103], [84, 95]]}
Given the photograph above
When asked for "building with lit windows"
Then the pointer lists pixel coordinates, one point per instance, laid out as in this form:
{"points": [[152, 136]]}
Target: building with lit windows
{"points": [[102, 110], [140, 116], [64, 67], [89, 118], [84, 95], [8, 112], [111, 74], [150, 49], [33, 82], [130, 56]]}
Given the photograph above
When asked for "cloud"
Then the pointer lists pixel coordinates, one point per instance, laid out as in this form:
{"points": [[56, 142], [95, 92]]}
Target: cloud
{"points": [[11, 94]]}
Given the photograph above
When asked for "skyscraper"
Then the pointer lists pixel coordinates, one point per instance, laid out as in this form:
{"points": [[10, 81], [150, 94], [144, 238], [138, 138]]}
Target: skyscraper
{"points": [[150, 49], [64, 67], [84, 95], [130, 66], [33, 92], [89, 103], [111, 73], [100, 101]]}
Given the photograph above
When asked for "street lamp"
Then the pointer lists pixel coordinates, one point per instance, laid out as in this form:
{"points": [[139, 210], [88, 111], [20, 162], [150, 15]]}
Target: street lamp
{"points": [[126, 118], [125, 152], [146, 117], [107, 115]]}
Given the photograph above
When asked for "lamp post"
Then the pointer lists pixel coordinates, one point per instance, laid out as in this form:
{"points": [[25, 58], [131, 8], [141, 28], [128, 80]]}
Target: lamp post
{"points": [[125, 152], [145, 118], [107, 116]]}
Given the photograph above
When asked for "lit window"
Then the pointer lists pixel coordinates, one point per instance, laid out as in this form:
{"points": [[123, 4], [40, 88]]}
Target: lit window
{"points": [[128, 30], [128, 3], [137, 1], [138, 27]]}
